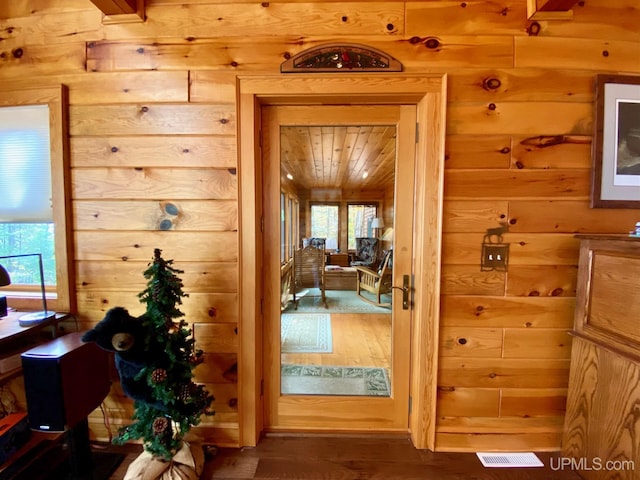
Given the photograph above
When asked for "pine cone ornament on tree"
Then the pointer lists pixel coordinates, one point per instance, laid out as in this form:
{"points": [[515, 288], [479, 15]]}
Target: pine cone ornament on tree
{"points": [[159, 375], [160, 425], [185, 392]]}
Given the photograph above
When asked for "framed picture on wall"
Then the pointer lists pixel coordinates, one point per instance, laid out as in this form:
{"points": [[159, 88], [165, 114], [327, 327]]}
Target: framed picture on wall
{"points": [[616, 143]]}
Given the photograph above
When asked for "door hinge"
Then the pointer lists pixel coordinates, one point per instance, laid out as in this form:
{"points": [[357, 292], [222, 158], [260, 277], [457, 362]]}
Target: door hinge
{"points": [[410, 401], [262, 387], [417, 132], [262, 306], [261, 223]]}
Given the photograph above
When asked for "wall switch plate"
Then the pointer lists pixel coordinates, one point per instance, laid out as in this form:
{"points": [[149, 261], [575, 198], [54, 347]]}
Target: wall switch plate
{"points": [[495, 256]]}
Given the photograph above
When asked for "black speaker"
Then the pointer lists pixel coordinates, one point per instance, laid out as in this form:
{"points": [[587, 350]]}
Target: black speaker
{"points": [[64, 381]]}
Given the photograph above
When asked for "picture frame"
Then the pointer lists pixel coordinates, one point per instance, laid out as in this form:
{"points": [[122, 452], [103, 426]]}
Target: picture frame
{"points": [[616, 142]]}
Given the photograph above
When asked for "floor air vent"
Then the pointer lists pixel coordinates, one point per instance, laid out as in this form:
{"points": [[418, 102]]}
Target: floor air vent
{"points": [[506, 460]]}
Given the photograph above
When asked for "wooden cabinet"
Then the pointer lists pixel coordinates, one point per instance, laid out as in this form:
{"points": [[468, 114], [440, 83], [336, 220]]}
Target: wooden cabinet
{"points": [[602, 424], [340, 259]]}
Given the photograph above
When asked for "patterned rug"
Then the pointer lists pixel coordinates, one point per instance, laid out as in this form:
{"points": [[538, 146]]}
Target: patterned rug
{"points": [[306, 333], [334, 380], [338, 301]]}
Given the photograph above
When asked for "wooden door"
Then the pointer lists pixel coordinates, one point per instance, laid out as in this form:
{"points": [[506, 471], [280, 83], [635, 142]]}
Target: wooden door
{"points": [[347, 413]]}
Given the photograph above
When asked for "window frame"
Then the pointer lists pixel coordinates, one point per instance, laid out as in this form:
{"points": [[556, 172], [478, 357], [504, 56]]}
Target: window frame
{"points": [[320, 203], [56, 98], [357, 203]]}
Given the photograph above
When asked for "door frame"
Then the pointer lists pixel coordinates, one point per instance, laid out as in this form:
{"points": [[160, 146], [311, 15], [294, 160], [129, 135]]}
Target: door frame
{"points": [[428, 93]]}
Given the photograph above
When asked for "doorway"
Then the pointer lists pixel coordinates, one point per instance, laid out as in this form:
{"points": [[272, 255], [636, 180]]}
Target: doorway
{"points": [[368, 396], [427, 93]]}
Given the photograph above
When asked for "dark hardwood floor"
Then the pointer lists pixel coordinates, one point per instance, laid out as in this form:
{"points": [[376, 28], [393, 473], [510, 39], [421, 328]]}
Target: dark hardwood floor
{"points": [[330, 457]]}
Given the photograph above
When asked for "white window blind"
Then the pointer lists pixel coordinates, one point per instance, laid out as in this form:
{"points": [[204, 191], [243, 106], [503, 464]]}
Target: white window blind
{"points": [[25, 164]]}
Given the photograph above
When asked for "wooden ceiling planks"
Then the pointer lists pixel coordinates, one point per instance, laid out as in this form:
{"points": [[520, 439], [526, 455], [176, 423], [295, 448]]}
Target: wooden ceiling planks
{"points": [[339, 156]]}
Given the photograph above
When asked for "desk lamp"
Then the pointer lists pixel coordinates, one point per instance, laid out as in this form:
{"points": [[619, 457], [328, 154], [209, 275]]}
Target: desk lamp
{"points": [[34, 317]]}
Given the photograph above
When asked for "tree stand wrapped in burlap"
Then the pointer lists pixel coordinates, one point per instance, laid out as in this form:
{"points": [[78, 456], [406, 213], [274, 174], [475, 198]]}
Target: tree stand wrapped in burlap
{"points": [[186, 464]]}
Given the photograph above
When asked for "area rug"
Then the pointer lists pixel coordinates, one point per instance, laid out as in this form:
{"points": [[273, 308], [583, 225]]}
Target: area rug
{"points": [[306, 333], [338, 301], [334, 380]]}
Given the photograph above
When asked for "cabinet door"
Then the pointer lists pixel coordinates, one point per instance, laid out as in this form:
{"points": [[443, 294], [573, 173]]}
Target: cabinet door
{"points": [[602, 425]]}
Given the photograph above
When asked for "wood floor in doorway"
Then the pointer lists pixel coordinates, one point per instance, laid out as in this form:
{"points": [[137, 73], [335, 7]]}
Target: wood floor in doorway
{"points": [[359, 340], [327, 457]]}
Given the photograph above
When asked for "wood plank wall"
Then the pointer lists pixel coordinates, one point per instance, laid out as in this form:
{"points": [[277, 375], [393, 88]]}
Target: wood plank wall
{"points": [[153, 151]]}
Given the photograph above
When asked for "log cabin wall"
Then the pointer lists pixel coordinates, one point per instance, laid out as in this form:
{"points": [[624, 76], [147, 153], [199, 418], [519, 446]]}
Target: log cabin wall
{"points": [[154, 147]]}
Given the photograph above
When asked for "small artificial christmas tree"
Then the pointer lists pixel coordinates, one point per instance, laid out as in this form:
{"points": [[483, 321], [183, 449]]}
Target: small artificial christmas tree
{"points": [[177, 402]]}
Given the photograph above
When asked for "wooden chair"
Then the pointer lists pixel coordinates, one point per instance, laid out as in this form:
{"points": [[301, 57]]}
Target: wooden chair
{"points": [[287, 284], [309, 269], [376, 282], [366, 252]]}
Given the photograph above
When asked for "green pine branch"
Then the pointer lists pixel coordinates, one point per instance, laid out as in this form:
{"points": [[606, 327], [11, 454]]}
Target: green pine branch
{"points": [[179, 402]]}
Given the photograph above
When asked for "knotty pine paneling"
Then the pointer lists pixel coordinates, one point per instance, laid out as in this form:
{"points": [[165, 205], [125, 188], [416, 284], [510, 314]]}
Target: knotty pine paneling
{"points": [[577, 53], [507, 312], [555, 151], [212, 86], [216, 337], [129, 87], [520, 118], [536, 343], [469, 280], [132, 215], [533, 402], [588, 21], [257, 19], [240, 55], [154, 148], [115, 87], [152, 119], [473, 216], [471, 18], [28, 8], [568, 184], [477, 151], [197, 307], [570, 217], [508, 424], [483, 442], [519, 85], [217, 368], [225, 404], [468, 402], [128, 276], [155, 151], [503, 373], [23, 62], [471, 342], [188, 246], [524, 248], [542, 280], [153, 183], [38, 27]]}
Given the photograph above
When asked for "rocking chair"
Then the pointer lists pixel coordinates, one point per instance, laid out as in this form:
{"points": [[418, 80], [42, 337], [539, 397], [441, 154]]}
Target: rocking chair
{"points": [[376, 282], [309, 270]]}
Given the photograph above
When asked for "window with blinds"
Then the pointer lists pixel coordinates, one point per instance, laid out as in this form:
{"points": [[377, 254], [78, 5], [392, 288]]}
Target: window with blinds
{"points": [[26, 211]]}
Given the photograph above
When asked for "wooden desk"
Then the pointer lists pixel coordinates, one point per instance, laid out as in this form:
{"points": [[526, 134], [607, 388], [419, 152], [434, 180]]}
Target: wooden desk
{"points": [[15, 339]]}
